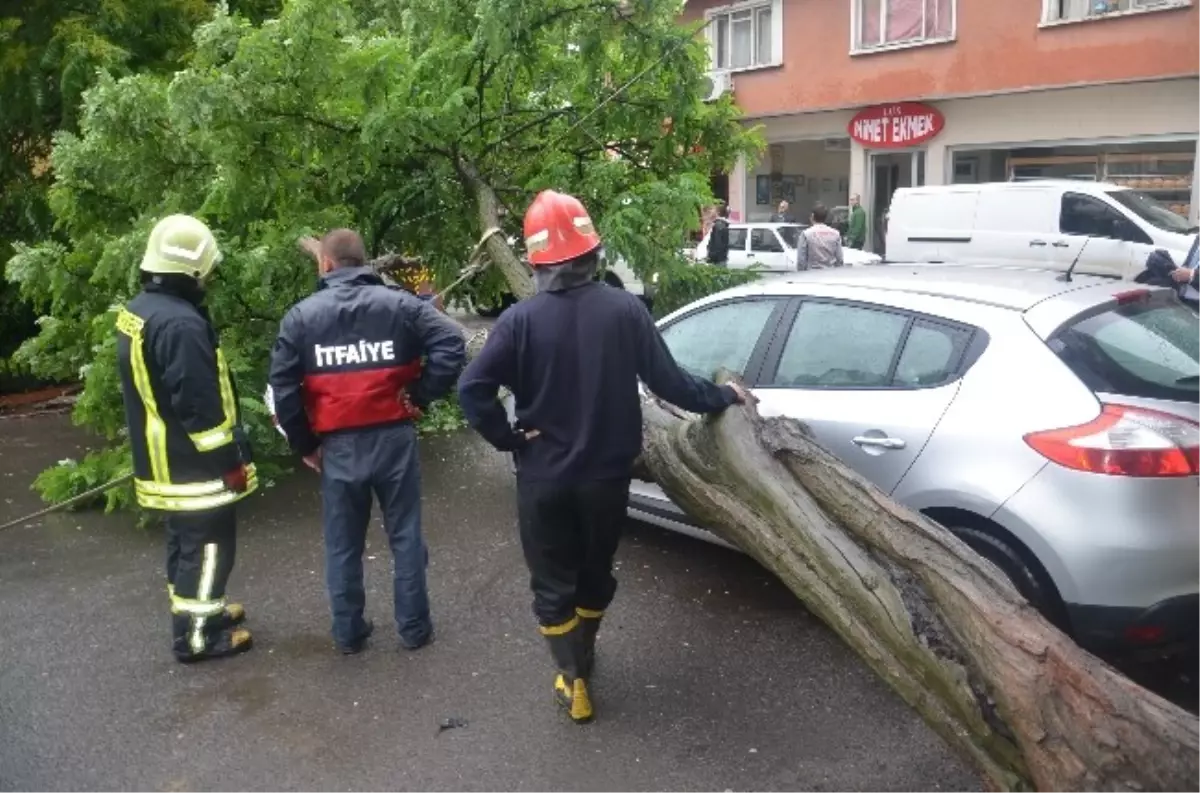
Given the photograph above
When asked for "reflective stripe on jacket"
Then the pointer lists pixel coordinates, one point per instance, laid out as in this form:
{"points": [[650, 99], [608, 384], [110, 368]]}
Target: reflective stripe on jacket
{"points": [[180, 405]]}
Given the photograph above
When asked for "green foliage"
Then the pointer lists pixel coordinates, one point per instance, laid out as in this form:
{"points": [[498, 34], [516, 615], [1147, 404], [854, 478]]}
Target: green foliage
{"points": [[441, 417], [70, 478], [684, 283], [376, 115]]}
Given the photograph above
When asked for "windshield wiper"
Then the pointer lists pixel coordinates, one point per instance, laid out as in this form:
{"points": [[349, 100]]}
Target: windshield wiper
{"points": [[1192, 379], [1193, 229]]}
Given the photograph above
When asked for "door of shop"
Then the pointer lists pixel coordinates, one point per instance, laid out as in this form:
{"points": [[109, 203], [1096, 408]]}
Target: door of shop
{"points": [[890, 171]]}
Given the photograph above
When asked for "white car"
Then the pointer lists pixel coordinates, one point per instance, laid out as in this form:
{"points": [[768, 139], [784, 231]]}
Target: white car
{"points": [[772, 247]]}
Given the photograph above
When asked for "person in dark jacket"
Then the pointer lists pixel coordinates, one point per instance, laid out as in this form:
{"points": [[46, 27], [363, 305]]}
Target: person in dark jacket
{"points": [[783, 214], [191, 460], [348, 382], [1161, 270], [572, 356], [718, 238]]}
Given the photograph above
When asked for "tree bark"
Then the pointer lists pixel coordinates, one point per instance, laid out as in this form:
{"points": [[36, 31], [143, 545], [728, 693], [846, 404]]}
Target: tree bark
{"points": [[516, 274], [1020, 700]]}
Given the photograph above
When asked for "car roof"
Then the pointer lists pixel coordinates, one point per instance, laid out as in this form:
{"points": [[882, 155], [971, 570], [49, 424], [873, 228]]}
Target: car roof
{"points": [[1014, 288], [1076, 184]]}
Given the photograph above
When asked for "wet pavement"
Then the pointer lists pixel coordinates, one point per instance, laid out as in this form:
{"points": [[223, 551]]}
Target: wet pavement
{"points": [[711, 675]]}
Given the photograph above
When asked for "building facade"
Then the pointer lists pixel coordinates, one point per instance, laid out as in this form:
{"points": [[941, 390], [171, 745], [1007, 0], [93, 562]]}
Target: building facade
{"points": [[861, 97]]}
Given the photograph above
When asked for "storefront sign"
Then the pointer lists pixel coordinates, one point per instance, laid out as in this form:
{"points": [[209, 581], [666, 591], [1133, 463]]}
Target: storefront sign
{"points": [[896, 126]]}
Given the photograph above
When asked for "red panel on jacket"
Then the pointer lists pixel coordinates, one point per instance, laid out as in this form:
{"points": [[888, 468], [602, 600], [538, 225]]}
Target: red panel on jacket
{"points": [[368, 397]]}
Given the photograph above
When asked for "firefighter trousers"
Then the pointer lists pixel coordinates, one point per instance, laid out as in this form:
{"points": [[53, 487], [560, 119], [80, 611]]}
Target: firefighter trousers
{"points": [[570, 533], [201, 548], [383, 461]]}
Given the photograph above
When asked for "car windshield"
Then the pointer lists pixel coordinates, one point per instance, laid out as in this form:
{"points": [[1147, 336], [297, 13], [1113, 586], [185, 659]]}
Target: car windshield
{"points": [[1151, 211], [1146, 349], [790, 235]]}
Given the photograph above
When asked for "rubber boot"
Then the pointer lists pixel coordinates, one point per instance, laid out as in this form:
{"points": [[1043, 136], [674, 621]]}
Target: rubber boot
{"points": [[590, 621], [570, 685], [217, 644]]}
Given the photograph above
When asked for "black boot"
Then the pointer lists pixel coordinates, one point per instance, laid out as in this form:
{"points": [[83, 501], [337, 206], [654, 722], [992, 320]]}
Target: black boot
{"points": [[570, 685], [216, 643], [589, 620]]}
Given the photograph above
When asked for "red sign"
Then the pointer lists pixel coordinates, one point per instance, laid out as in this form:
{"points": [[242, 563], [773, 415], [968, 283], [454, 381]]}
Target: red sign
{"points": [[896, 126]]}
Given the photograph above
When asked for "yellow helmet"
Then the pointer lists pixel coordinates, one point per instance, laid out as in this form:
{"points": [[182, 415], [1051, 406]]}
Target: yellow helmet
{"points": [[183, 245]]}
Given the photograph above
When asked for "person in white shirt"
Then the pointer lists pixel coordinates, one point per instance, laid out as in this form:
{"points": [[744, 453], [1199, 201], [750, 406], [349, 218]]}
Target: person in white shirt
{"points": [[820, 246]]}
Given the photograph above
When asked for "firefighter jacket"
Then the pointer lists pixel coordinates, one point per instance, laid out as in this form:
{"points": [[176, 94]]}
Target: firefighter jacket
{"points": [[358, 354], [180, 404]]}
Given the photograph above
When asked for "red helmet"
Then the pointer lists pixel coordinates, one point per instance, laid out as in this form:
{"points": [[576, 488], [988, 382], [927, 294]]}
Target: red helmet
{"points": [[557, 229]]}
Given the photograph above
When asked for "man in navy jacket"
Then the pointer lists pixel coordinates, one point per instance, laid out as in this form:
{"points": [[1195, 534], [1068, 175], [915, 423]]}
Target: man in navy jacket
{"points": [[572, 356], [352, 368]]}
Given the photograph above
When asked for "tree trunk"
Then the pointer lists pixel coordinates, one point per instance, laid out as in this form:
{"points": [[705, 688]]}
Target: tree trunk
{"points": [[1020, 700], [516, 274], [1024, 703]]}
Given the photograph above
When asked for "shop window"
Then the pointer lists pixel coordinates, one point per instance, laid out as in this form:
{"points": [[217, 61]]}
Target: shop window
{"points": [[1082, 10], [746, 36], [894, 23]]}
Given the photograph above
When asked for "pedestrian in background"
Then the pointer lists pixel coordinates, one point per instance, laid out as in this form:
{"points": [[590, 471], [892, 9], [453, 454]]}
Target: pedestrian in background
{"points": [[718, 239], [783, 214], [819, 246], [856, 233], [352, 369], [572, 356]]}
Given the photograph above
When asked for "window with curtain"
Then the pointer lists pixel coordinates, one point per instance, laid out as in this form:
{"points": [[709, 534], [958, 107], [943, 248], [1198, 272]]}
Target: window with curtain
{"points": [[883, 23], [1079, 10], [743, 37]]}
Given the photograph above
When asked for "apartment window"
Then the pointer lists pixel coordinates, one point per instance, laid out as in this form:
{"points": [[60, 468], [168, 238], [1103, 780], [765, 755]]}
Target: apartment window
{"points": [[896, 23], [1081, 10], [745, 36]]}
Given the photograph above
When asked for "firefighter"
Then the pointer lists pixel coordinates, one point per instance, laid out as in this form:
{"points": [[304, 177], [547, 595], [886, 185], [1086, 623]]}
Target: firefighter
{"points": [[348, 383], [572, 356], [191, 460]]}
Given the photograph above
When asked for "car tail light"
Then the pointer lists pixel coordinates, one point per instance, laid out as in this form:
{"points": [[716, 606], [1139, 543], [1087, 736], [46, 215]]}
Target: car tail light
{"points": [[1145, 634], [1132, 296], [1125, 441]]}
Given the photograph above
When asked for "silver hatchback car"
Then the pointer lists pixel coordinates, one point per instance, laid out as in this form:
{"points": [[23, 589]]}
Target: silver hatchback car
{"points": [[1052, 425]]}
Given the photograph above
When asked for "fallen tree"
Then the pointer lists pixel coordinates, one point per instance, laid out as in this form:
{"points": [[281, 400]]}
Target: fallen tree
{"points": [[935, 620], [943, 627]]}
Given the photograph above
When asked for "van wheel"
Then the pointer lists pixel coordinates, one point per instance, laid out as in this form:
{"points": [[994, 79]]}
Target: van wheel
{"points": [[1013, 559]]}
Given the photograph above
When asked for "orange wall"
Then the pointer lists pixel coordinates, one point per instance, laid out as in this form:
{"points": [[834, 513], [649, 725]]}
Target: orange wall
{"points": [[999, 47]]}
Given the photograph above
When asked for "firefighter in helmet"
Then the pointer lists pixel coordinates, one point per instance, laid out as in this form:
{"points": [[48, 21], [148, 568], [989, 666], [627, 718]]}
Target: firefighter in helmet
{"points": [[572, 356], [191, 460]]}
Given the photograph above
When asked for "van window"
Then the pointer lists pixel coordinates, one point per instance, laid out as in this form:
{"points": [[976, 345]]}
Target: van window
{"points": [[1151, 211], [1086, 216], [1147, 349]]}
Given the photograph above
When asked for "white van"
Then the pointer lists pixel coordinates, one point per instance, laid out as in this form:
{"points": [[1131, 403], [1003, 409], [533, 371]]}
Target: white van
{"points": [[1042, 224]]}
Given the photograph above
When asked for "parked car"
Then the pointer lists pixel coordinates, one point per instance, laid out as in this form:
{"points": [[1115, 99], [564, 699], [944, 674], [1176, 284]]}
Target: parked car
{"points": [[1051, 425], [1035, 223], [772, 247]]}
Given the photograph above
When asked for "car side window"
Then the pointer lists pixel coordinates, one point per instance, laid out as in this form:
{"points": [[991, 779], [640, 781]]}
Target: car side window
{"points": [[720, 336], [931, 354], [833, 345], [737, 239], [1085, 216], [765, 241]]}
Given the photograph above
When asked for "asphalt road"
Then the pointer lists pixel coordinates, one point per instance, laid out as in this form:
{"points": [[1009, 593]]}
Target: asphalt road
{"points": [[711, 675]]}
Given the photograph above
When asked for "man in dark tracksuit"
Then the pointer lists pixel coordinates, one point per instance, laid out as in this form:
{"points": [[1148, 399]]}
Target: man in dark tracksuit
{"points": [[191, 460], [348, 382], [572, 356], [718, 238]]}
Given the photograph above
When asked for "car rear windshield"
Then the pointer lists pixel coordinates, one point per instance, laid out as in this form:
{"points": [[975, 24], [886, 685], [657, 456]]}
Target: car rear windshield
{"points": [[791, 235], [1146, 349]]}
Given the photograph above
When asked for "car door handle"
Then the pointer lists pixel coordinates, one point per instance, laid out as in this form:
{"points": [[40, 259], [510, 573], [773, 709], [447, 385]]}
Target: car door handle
{"points": [[750, 255], [1061, 244], [1037, 243], [880, 443]]}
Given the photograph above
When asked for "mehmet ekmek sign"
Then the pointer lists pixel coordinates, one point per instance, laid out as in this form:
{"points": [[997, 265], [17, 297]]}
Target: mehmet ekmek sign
{"points": [[897, 125]]}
